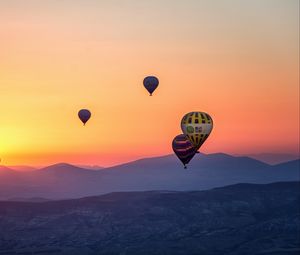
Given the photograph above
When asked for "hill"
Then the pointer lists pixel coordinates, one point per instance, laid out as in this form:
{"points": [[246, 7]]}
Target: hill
{"points": [[62, 181], [238, 219]]}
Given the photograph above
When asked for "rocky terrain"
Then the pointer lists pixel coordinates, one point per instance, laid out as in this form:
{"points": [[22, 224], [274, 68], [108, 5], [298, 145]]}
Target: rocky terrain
{"points": [[237, 219]]}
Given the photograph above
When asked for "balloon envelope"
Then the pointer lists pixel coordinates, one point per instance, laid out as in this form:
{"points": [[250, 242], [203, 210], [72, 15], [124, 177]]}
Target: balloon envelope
{"points": [[84, 115], [150, 83], [183, 148], [197, 126]]}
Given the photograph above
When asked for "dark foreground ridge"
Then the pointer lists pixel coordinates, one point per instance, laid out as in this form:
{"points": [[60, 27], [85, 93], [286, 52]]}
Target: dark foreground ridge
{"points": [[237, 219]]}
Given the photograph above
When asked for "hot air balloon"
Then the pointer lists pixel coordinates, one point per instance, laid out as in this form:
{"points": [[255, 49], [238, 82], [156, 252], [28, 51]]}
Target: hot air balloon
{"points": [[150, 83], [183, 149], [197, 127], [84, 115]]}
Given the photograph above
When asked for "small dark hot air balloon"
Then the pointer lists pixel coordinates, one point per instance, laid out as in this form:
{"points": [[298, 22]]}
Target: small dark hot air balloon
{"points": [[151, 83], [84, 115], [183, 149]]}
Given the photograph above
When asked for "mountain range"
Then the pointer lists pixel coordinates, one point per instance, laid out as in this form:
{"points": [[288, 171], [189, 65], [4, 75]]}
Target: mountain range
{"points": [[63, 181], [248, 219], [273, 158]]}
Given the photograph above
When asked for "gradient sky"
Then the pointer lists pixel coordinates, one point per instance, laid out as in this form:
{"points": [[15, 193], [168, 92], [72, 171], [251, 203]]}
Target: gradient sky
{"points": [[237, 60]]}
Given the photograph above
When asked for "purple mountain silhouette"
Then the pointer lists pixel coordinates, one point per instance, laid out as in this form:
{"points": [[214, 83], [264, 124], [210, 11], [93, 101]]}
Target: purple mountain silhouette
{"points": [[63, 181]]}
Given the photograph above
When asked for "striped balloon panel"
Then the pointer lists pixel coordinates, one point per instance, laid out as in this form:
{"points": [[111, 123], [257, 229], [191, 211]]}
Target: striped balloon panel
{"points": [[196, 118], [183, 148]]}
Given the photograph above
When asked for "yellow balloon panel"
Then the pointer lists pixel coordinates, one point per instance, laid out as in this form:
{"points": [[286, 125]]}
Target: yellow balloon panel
{"points": [[197, 126]]}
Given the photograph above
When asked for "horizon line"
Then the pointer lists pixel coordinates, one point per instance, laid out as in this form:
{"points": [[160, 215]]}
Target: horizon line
{"points": [[95, 167]]}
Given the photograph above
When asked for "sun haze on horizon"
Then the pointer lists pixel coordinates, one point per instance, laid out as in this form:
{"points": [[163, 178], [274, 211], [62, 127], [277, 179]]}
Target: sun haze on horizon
{"points": [[236, 60]]}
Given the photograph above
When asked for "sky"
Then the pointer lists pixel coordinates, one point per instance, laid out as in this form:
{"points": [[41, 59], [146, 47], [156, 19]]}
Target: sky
{"points": [[237, 60]]}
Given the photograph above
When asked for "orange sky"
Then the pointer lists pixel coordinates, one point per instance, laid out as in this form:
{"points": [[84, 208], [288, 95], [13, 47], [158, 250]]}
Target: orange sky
{"points": [[236, 60]]}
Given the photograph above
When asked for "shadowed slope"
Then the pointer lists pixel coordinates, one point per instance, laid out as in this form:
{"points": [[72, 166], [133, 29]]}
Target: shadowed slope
{"points": [[238, 219]]}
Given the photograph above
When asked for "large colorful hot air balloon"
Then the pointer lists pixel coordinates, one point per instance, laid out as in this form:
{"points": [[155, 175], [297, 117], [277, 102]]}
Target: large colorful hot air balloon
{"points": [[183, 149], [197, 127], [150, 83], [84, 115]]}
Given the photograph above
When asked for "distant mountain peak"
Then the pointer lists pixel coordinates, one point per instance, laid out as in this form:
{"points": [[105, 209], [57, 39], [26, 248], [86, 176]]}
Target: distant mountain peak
{"points": [[4, 168], [63, 164], [274, 158], [63, 167], [22, 168]]}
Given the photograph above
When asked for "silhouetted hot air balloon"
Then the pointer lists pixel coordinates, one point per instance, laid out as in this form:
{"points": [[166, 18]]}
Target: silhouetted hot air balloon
{"points": [[197, 127], [150, 83], [183, 149], [84, 115]]}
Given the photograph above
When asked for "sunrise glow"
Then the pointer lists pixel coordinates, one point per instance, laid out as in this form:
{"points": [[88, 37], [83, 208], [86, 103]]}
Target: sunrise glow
{"points": [[56, 57]]}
